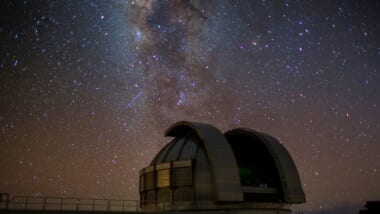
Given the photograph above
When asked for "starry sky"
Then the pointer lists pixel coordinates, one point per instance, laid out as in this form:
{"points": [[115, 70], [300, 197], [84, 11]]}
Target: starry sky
{"points": [[87, 89]]}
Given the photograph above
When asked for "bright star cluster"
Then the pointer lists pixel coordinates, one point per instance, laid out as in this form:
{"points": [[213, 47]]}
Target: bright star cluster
{"points": [[87, 89]]}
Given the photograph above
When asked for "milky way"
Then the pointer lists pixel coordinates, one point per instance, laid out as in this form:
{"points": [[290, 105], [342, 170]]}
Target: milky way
{"points": [[87, 89]]}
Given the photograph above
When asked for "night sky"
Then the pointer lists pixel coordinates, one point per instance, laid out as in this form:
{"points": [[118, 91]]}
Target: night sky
{"points": [[87, 89]]}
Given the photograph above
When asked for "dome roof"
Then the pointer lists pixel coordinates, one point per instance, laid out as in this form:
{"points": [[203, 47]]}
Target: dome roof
{"points": [[211, 153], [203, 169]]}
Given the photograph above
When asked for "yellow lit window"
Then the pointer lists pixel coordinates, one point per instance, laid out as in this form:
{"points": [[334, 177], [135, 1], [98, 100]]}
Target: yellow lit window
{"points": [[163, 178]]}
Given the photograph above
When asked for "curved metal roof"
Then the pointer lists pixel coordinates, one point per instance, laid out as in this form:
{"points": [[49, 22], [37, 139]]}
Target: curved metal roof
{"points": [[289, 177], [220, 156]]}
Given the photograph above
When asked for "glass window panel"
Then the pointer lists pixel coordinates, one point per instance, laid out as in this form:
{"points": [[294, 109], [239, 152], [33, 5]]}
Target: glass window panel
{"points": [[149, 180], [163, 178], [182, 176], [142, 183]]}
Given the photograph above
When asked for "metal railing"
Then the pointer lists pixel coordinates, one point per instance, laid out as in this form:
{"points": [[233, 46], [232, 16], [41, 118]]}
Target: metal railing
{"points": [[8, 202]]}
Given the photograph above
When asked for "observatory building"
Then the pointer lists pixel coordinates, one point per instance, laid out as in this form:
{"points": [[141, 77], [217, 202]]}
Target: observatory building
{"points": [[202, 170]]}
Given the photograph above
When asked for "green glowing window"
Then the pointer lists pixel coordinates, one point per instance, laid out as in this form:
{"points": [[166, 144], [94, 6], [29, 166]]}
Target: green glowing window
{"points": [[248, 176]]}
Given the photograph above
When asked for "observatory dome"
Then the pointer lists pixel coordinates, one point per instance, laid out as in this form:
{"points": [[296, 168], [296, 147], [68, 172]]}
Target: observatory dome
{"points": [[204, 169]]}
